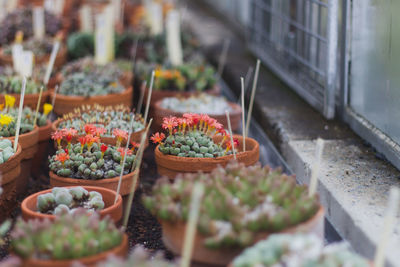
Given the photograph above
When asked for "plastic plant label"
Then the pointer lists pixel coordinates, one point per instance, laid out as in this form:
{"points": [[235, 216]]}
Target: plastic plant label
{"points": [[38, 22], [174, 44], [156, 17], [27, 64], [100, 46], [50, 65], [17, 51], [117, 9], [86, 19], [11, 5], [109, 13]]}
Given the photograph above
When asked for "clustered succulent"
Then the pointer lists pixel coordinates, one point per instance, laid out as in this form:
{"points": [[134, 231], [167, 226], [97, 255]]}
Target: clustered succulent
{"points": [[298, 250], [37, 74], [192, 136], [67, 200], [202, 103], [9, 115], [139, 257], [91, 159], [6, 152], [186, 77], [13, 85], [21, 20], [238, 203], [38, 47], [67, 237], [109, 117]]}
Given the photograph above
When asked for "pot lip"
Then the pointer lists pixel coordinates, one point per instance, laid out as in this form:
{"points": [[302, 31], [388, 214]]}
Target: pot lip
{"points": [[123, 244], [35, 95], [35, 131], [99, 181], [215, 88], [159, 154], [320, 213], [16, 156], [48, 125], [236, 109], [37, 214], [82, 98]]}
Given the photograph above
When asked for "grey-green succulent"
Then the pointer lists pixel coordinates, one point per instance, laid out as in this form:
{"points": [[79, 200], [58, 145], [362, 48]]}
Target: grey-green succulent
{"points": [[13, 85]]}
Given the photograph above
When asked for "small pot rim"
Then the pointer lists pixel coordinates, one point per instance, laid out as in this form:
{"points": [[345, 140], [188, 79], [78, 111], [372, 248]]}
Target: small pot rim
{"points": [[16, 157], [33, 197], [74, 98]]}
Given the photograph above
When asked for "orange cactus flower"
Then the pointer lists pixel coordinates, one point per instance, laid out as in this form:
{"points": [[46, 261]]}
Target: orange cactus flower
{"points": [[100, 131], [169, 123], [90, 129], [157, 138], [57, 136], [120, 135], [83, 141], [90, 139], [124, 152], [62, 157], [69, 134]]}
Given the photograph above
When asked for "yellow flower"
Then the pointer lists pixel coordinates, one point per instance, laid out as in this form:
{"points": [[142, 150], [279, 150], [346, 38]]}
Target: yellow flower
{"points": [[10, 101], [47, 108], [5, 119]]}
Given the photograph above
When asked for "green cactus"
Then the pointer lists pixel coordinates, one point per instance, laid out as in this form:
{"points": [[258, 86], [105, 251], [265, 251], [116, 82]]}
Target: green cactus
{"points": [[304, 250], [62, 200], [6, 150], [68, 237], [139, 257], [239, 202], [13, 85]]}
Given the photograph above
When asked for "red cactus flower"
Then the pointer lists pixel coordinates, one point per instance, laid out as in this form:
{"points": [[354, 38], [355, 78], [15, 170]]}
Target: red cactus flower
{"points": [[169, 123], [103, 149], [66, 150], [58, 136], [82, 140], [100, 131], [69, 134], [90, 139], [120, 135], [135, 145], [124, 152], [90, 129], [62, 157], [157, 138]]}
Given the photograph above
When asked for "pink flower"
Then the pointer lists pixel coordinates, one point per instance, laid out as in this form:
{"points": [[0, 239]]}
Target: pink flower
{"points": [[169, 123]]}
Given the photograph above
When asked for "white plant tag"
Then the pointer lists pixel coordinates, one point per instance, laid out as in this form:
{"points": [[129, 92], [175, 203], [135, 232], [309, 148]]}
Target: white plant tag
{"points": [[117, 10], [38, 22], [27, 64], [156, 17], [100, 47], [12, 4], [16, 51], [109, 12], [86, 19], [174, 44]]}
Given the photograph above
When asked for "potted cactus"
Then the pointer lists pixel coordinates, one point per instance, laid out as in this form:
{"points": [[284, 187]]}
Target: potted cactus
{"points": [[11, 85], [138, 257], [59, 200], [198, 143], [40, 48], [241, 205], [301, 249], [10, 170], [203, 103], [91, 162], [85, 83], [106, 117], [79, 237]]}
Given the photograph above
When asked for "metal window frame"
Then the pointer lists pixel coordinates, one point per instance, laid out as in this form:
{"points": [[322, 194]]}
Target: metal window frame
{"points": [[327, 106]]}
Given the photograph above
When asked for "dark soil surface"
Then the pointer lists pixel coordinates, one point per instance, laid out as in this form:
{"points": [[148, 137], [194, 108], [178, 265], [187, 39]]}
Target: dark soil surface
{"points": [[142, 228]]}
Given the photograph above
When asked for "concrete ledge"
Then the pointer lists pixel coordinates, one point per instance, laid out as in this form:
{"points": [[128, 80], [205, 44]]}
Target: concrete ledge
{"points": [[354, 181]]}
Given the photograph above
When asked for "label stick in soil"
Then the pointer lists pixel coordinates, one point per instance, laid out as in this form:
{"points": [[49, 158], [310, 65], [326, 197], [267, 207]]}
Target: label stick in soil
{"points": [[253, 93], [21, 104], [146, 112], [191, 226], [228, 119], [54, 51], [140, 102], [388, 226], [37, 106], [243, 121], [316, 166], [139, 157]]}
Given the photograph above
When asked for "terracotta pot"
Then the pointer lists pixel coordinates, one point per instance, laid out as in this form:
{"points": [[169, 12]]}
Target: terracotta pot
{"points": [[171, 166], [41, 154], [29, 208], [9, 170], [136, 136], [28, 142], [110, 183], [174, 233], [90, 261], [61, 58], [30, 100], [160, 112], [65, 104]]}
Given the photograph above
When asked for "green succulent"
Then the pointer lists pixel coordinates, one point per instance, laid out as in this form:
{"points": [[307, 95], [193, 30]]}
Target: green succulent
{"points": [[40, 47], [63, 200], [13, 85], [139, 257], [238, 203], [68, 237], [304, 250], [6, 151]]}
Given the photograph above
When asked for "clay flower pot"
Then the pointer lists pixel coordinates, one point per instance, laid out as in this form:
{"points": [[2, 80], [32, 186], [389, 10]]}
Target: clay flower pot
{"points": [[30, 100], [29, 208], [171, 166], [174, 233], [29, 145], [43, 144], [121, 251], [65, 104], [10, 171], [160, 112], [61, 58], [109, 183]]}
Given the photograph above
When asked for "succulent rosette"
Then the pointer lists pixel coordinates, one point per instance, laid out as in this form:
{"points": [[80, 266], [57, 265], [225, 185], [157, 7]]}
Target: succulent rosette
{"points": [[90, 158], [193, 136]]}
